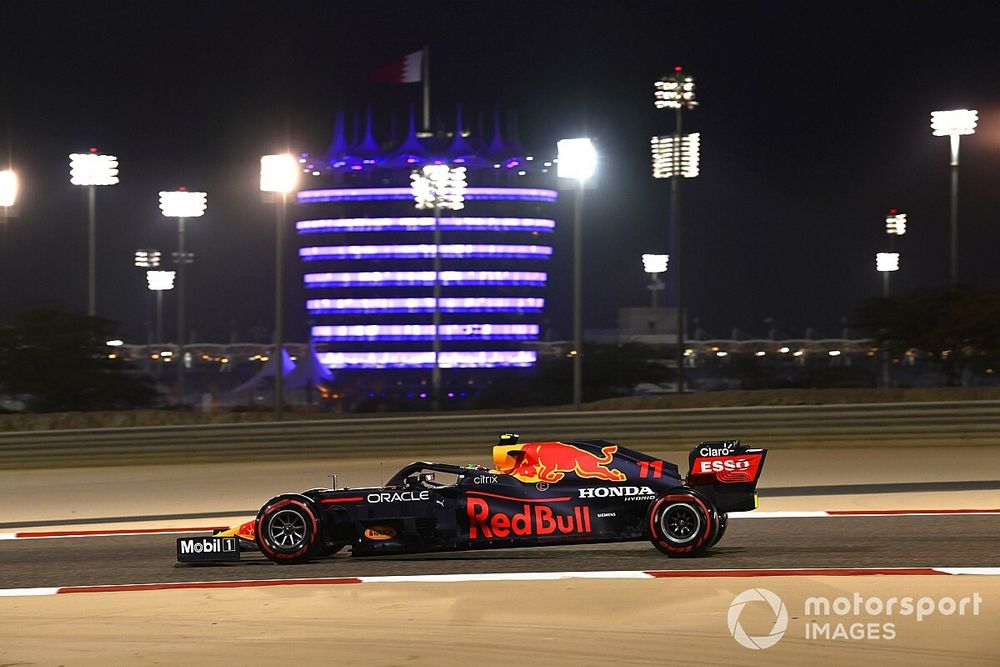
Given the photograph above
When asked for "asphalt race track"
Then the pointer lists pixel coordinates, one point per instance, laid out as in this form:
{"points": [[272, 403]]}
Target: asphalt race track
{"points": [[835, 542]]}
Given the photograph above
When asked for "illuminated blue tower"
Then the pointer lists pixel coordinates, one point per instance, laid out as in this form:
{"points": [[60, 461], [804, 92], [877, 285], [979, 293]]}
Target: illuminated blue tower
{"points": [[367, 252]]}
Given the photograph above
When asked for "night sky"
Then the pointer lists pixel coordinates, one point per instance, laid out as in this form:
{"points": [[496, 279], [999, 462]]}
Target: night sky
{"points": [[814, 119]]}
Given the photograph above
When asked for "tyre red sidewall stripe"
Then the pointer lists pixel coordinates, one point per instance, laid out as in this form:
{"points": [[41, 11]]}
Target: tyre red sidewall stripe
{"points": [[284, 502], [685, 498]]}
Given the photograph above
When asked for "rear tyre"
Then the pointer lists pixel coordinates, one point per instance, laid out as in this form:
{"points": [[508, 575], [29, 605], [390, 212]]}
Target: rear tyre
{"points": [[723, 522], [288, 530], [681, 523]]}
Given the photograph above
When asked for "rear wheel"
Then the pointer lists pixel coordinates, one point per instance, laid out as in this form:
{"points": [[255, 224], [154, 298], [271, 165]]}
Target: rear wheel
{"points": [[288, 530], [723, 522], [682, 523]]}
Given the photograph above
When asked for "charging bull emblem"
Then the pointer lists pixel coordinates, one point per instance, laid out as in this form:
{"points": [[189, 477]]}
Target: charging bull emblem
{"points": [[552, 461]]}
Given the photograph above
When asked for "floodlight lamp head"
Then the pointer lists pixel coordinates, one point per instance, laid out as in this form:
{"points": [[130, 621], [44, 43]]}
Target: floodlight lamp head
{"points": [[887, 261], [8, 188], [577, 158], [675, 90], [183, 204], [655, 263], [93, 169], [279, 173], [955, 122]]}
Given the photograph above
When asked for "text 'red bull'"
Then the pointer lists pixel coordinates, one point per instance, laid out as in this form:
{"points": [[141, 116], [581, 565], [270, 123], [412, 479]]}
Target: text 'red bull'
{"points": [[532, 520]]}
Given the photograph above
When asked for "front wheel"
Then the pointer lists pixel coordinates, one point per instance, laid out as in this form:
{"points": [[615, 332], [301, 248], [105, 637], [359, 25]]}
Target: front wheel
{"points": [[288, 530], [682, 523]]}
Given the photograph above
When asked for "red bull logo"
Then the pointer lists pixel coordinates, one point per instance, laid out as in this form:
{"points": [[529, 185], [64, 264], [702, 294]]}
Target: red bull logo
{"points": [[552, 461], [485, 523]]}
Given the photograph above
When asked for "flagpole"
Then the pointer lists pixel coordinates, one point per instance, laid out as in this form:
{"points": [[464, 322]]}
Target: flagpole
{"points": [[426, 76]]}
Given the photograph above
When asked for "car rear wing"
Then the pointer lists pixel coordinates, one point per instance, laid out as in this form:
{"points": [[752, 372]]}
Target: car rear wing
{"points": [[728, 472]]}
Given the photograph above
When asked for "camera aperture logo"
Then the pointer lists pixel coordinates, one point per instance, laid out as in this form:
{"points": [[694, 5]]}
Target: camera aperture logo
{"points": [[757, 642]]}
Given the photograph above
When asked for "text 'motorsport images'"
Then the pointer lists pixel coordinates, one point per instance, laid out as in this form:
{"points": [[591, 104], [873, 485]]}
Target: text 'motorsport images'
{"points": [[536, 494]]}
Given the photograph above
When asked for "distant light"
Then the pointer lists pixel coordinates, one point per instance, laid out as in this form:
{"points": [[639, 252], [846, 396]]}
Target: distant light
{"points": [[115, 343], [955, 122], [721, 353], [784, 350], [577, 158], [425, 332], [93, 169], [159, 281], [798, 353], [675, 91], [655, 263], [673, 156], [834, 353], [895, 223], [426, 305], [8, 188], [146, 259], [278, 173], [388, 194], [424, 250], [470, 359], [424, 278], [183, 204], [425, 224], [760, 353], [887, 261], [166, 353], [439, 186]]}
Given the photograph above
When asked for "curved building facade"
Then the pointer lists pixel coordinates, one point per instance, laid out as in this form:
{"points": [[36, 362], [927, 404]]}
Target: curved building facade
{"points": [[367, 253]]}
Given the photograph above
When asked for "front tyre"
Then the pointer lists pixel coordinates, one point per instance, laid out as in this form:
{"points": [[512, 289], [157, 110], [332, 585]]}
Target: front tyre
{"points": [[682, 523], [288, 530]]}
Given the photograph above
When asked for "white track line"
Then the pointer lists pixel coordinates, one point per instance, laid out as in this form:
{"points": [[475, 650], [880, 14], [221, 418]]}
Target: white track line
{"points": [[510, 576]]}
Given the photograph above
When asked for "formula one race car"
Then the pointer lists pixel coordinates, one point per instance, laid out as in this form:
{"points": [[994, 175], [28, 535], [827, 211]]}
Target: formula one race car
{"points": [[542, 493]]}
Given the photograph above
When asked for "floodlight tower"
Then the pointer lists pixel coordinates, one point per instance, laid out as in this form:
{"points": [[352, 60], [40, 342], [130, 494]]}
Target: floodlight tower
{"points": [[954, 124], [655, 265], [886, 263], [147, 258], [577, 161], [181, 204], [438, 186], [92, 169], [677, 157], [159, 282], [279, 174]]}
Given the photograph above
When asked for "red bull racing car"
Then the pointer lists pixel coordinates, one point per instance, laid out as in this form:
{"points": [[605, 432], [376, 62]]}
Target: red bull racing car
{"points": [[541, 493]]}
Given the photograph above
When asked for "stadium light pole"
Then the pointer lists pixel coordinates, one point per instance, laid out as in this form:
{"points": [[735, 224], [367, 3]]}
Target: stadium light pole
{"points": [[181, 204], [92, 169], [676, 156], [147, 258], [954, 124], [159, 282], [655, 265], [279, 174], [886, 263], [577, 161], [438, 186]]}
